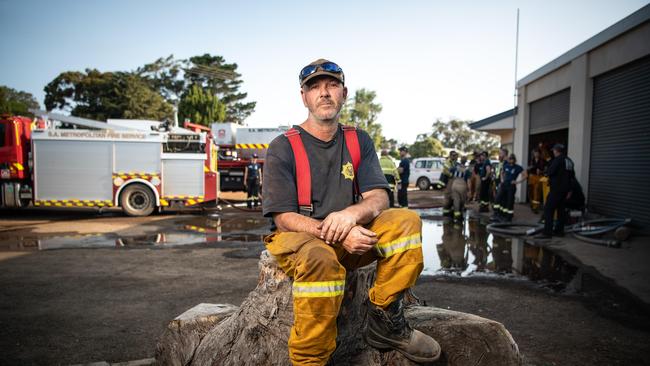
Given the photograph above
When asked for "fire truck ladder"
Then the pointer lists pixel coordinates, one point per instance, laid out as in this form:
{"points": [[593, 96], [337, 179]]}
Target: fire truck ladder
{"points": [[78, 121]]}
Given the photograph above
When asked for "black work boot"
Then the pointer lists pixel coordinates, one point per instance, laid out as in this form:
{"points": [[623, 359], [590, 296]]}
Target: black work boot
{"points": [[388, 329]]}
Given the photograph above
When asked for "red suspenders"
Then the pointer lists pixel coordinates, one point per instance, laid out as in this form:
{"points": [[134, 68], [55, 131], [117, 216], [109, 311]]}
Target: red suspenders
{"points": [[303, 175]]}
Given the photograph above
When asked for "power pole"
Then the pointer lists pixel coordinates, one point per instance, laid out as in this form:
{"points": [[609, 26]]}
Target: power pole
{"points": [[514, 115]]}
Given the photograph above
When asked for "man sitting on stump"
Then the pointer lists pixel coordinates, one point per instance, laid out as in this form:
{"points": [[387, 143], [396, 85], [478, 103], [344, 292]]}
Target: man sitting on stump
{"points": [[326, 193]]}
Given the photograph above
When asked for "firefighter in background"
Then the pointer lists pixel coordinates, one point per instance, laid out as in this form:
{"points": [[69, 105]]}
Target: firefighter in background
{"points": [[496, 189], [505, 200], [544, 152], [503, 155], [474, 181], [392, 175], [460, 174], [253, 181], [404, 170], [445, 181], [496, 178], [560, 174], [484, 168], [535, 172]]}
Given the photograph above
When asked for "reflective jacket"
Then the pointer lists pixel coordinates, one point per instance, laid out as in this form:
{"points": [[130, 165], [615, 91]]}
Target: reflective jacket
{"points": [[388, 167]]}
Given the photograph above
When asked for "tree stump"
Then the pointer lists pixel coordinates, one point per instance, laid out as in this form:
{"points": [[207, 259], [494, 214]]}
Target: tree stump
{"points": [[256, 333]]}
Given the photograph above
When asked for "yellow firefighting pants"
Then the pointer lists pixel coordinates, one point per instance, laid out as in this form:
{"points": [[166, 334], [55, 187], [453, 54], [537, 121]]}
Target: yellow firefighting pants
{"points": [[318, 271], [535, 191], [546, 187]]}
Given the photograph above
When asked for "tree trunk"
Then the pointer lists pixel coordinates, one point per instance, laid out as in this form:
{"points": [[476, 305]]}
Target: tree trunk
{"points": [[256, 333]]}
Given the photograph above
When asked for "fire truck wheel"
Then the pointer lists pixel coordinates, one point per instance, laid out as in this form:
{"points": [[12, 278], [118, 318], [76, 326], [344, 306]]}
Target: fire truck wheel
{"points": [[137, 200]]}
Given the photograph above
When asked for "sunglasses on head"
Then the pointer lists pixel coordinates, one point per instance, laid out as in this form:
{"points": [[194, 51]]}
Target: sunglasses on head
{"points": [[325, 66]]}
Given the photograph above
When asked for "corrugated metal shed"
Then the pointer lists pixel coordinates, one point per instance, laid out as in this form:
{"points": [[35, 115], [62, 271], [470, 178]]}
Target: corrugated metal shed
{"points": [[620, 145]]}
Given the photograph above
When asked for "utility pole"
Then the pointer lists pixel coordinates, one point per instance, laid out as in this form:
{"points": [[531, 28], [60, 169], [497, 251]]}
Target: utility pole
{"points": [[514, 115]]}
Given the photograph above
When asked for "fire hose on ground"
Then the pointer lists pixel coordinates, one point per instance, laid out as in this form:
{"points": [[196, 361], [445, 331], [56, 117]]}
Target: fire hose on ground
{"points": [[233, 205], [584, 231]]}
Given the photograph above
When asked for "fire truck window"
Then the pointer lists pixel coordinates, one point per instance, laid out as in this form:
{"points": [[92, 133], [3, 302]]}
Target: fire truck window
{"points": [[2, 134]]}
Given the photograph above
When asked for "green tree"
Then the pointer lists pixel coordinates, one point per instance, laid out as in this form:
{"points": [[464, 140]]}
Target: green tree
{"points": [[200, 106], [362, 111], [16, 102], [102, 95], [457, 134], [426, 146], [224, 81], [173, 78], [391, 145], [165, 75], [139, 101]]}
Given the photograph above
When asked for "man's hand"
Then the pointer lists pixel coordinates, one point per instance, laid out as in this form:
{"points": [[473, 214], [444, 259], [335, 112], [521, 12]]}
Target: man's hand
{"points": [[359, 240], [336, 226]]}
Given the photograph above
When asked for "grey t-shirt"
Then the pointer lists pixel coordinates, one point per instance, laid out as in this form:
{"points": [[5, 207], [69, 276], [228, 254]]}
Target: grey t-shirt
{"points": [[332, 187]]}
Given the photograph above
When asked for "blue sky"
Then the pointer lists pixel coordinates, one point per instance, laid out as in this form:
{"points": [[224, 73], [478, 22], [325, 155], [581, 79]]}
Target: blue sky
{"points": [[425, 59]]}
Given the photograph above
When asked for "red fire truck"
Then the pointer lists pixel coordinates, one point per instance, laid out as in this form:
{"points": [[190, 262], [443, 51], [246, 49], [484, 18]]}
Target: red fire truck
{"points": [[236, 146], [98, 164]]}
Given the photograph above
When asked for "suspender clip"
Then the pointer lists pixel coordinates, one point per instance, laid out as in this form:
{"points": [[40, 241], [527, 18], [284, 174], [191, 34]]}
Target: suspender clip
{"points": [[306, 210]]}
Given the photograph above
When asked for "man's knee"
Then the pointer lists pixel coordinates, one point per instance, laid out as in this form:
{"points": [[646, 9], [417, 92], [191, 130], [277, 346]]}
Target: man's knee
{"points": [[400, 219], [317, 259], [401, 215]]}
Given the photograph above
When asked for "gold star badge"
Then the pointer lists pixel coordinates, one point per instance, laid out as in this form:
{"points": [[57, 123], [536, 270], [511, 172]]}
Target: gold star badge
{"points": [[348, 171]]}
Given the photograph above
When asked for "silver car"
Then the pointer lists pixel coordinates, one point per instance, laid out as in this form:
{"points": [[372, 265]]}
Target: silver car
{"points": [[425, 172]]}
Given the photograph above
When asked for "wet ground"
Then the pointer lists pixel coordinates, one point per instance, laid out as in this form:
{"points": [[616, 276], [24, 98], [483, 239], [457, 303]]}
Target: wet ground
{"points": [[451, 248], [79, 287], [199, 230]]}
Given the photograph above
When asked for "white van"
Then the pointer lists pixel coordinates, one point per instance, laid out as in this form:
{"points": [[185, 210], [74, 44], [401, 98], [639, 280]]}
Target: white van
{"points": [[425, 172]]}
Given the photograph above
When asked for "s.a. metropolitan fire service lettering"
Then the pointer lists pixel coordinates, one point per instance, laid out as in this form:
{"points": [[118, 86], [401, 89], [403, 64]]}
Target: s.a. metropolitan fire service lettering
{"points": [[106, 134]]}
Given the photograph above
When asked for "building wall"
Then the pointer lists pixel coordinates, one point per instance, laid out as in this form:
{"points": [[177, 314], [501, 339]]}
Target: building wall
{"points": [[502, 128], [506, 135], [620, 51], [578, 75]]}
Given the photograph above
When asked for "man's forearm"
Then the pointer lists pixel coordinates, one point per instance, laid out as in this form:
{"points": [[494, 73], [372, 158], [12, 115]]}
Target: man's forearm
{"points": [[372, 204], [291, 221]]}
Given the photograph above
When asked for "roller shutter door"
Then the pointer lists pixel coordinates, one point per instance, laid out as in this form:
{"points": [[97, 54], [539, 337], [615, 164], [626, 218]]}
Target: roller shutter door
{"points": [[550, 113], [619, 174]]}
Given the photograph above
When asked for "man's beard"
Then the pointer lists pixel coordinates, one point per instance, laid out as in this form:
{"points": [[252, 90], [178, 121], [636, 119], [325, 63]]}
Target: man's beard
{"points": [[326, 117]]}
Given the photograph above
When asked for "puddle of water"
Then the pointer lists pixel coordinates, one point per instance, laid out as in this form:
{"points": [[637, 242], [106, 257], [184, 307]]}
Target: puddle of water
{"points": [[228, 225], [193, 231], [97, 241], [468, 249], [450, 248]]}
